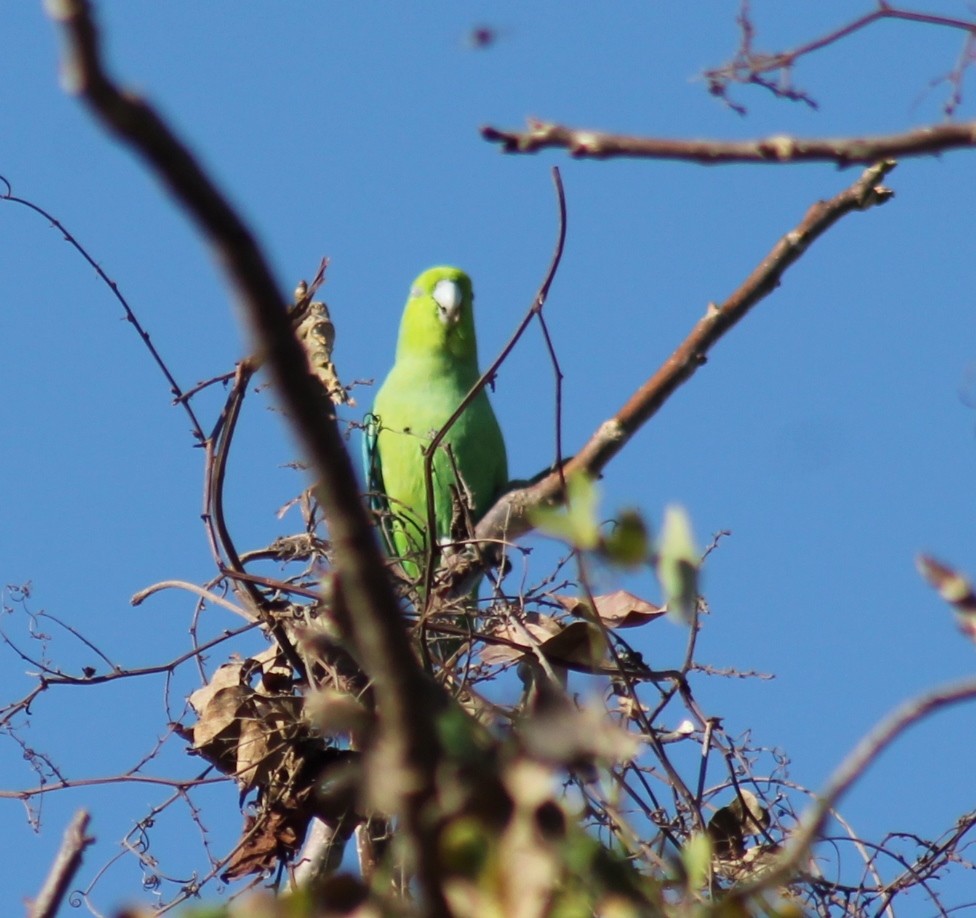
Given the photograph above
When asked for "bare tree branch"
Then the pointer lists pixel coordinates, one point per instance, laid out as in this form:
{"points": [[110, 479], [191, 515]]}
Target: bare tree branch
{"points": [[179, 396], [130, 777], [64, 868], [845, 151], [404, 695], [849, 771], [508, 518], [774, 70]]}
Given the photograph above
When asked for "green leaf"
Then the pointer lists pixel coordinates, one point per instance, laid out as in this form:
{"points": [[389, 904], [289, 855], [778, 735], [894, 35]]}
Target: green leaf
{"points": [[677, 564], [465, 845], [576, 522], [628, 542], [696, 857]]}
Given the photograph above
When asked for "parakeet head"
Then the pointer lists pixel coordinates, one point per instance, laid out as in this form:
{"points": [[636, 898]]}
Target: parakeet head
{"points": [[439, 318]]}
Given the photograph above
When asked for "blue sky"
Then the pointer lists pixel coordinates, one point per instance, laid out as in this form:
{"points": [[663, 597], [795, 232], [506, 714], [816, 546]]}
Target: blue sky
{"points": [[827, 431]]}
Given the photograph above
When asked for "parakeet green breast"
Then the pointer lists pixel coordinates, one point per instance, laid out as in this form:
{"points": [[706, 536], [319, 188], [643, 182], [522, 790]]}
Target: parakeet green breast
{"points": [[436, 366]]}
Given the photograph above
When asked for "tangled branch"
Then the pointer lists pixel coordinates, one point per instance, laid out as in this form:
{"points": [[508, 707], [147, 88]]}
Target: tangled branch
{"points": [[471, 782], [774, 70]]}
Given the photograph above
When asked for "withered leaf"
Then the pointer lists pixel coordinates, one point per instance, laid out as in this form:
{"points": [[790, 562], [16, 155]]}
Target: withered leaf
{"points": [[579, 642], [543, 628], [243, 732], [273, 836], [732, 823], [226, 676], [254, 756], [276, 672], [619, 609], [265, 748], [317, 336], [216, 733]]}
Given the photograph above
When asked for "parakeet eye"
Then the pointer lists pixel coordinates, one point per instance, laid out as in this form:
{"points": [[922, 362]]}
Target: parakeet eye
{"points": [[447, 295]]}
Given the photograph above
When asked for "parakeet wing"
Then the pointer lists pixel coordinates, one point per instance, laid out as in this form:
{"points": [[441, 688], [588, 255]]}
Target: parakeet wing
{"points": [[373, 475]]}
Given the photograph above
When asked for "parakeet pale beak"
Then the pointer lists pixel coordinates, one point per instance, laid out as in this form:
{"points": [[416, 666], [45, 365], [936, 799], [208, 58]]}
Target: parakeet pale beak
{"points": [[447, 295]]}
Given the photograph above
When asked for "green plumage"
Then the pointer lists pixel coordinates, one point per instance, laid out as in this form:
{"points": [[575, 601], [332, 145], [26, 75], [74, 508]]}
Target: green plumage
{"points": [[436, 366]]}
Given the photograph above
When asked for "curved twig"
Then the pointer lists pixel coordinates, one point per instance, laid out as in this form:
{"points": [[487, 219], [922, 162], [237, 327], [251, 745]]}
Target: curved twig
{"points": [[534, 310], [208, 595], [179, 396]]}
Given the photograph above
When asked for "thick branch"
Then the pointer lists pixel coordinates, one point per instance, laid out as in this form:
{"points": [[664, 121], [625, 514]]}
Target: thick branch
{"points": [[845, 151], [508, 518], [64, 868], [402, 691]]}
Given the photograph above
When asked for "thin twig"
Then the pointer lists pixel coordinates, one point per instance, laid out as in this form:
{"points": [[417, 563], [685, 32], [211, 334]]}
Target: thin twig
{"points": [[758, 68], [127, 778], [849, 771], [168, 667], [179, 397], [194, 588]]}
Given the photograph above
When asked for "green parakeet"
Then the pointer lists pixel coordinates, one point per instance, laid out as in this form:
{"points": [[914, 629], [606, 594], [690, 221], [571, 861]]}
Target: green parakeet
{"points": [[436, 366]]}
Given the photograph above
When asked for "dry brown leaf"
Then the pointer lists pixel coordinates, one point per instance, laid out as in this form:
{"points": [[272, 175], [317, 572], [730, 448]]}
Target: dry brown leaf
{"points": [[254, 760], [579, 643], [276, 671], [542, 629], [619, 609], [265, 748], [243, 732], [731, 824], [258, 736], [268, 838], [317, 335], [219, 720], [226, 676]]}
